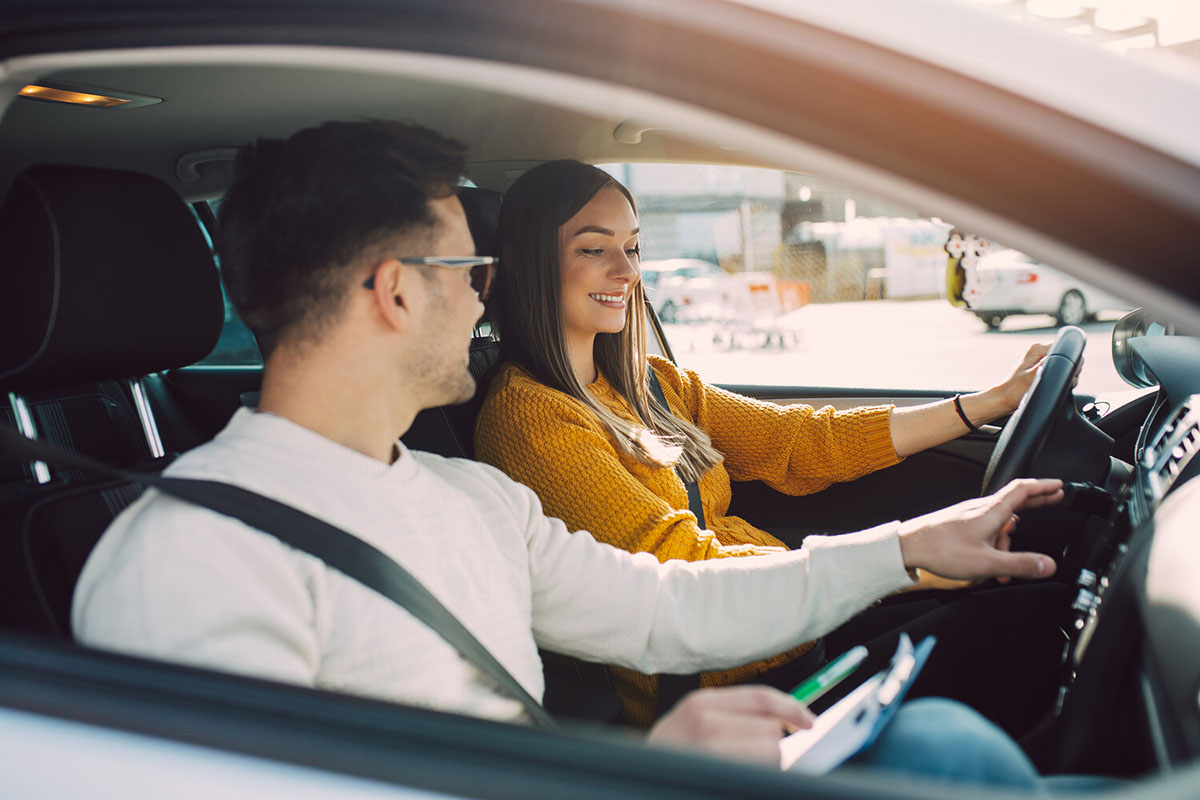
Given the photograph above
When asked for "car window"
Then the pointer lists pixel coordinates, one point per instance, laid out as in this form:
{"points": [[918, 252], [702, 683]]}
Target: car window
{"points": [[777, 278], [236, 346]]}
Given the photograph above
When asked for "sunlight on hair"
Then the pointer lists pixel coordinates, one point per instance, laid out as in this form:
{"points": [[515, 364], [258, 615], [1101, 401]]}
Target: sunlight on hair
{"points": [[657, 448]]}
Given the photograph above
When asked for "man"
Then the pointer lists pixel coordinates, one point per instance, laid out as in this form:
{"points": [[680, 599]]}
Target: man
{"points": [[320, 243]]}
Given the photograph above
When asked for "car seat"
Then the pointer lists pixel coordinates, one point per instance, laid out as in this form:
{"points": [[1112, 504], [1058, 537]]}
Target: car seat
{"points": [[108, 279]]}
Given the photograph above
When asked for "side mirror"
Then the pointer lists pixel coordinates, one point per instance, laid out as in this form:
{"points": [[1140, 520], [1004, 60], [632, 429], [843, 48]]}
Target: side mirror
{"points": [[1129, 365]]}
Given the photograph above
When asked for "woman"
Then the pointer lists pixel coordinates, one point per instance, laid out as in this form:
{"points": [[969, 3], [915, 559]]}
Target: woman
{"points": [[571, 414]]}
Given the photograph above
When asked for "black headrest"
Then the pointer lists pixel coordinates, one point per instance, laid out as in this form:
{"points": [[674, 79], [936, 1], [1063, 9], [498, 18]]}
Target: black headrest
{"points": [[482, 207], [106, 275]]}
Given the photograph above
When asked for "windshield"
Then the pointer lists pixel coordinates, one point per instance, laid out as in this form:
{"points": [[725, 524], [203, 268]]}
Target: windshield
{"points": [[769, 277]]}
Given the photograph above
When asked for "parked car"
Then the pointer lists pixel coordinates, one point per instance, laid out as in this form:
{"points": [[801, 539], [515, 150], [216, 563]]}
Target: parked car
{"points": [[1020, 136], [686, 288], [1009, 282]]}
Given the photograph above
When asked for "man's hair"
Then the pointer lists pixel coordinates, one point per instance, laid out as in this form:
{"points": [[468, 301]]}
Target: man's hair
{"points": [[527, 308], [304, 214]]}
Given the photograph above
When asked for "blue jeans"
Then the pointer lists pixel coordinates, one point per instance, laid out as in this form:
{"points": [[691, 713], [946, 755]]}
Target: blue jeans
{"points": [[947, 741]]}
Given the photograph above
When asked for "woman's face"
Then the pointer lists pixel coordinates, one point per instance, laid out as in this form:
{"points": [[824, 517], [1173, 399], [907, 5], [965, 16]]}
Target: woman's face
{"points": [[598, 260]]}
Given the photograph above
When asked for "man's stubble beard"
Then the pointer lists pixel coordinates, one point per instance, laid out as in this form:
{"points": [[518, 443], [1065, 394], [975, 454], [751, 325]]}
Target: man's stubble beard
{"points": [[465, 385], [448, 379]]}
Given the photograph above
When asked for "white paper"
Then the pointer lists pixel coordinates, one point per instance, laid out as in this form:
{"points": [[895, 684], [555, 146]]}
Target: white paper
{"points": [[836, 735]]}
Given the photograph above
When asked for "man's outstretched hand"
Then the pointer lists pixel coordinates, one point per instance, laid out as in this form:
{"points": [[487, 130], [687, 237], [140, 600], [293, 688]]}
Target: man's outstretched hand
{"points": [[743, 722], [970, 540]]}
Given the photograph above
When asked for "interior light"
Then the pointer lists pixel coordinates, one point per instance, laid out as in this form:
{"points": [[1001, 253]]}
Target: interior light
{"points": [[39, 92]]}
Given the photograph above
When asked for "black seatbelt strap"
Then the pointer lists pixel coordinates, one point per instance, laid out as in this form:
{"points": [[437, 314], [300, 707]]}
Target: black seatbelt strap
{"points": [[693, 490], [672, 688], [344, 552]]}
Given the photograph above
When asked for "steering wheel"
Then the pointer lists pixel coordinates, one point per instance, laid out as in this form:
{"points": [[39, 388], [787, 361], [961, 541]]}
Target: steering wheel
{"points": [[1047, 402]]}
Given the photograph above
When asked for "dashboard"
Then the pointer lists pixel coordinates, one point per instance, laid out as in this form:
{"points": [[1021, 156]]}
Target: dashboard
{"points": [[1168, 507], [1132, 657]]}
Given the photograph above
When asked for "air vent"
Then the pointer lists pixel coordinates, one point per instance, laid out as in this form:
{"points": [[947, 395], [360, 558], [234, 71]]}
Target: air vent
{"points": [[1173, 448]]}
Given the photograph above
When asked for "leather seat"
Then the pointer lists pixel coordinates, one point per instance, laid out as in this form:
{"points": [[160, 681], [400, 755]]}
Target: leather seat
{"points": [[108, 278]]}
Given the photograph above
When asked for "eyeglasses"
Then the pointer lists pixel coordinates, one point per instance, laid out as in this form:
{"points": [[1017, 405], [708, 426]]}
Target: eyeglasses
{"points": [[482, 269]]}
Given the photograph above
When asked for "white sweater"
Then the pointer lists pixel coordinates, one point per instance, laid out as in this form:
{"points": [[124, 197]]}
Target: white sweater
{"points": [[174, 581]]}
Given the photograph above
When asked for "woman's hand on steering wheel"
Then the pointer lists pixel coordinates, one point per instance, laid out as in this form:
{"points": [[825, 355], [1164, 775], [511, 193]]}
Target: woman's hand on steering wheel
{"points": [[1038, 411], [1009, 393]]}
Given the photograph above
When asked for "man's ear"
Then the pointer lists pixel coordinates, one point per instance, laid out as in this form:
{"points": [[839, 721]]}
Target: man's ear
{"points": [[389, 292]]}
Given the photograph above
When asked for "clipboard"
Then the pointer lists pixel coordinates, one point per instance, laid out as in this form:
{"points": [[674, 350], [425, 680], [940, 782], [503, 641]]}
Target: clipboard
{"points": [[855, 722]]}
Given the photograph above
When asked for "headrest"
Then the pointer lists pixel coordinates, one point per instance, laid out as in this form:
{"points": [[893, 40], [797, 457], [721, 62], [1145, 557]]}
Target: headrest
{"points": [[482, 207], [106, 275]]}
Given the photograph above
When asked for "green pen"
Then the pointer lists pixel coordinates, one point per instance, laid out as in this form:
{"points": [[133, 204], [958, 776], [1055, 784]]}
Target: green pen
{"points": [[830, 675]]}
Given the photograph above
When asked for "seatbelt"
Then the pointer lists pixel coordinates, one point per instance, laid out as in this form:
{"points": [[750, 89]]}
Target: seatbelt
{"points": [[672, 688], [693, 490], [344, 552]]}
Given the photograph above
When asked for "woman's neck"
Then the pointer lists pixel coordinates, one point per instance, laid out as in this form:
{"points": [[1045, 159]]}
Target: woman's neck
{"points": [[581, 352]]}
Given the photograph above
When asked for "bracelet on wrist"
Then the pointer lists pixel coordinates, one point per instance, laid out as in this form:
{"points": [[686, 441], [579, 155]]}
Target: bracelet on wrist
{"points": [[972, 427]]}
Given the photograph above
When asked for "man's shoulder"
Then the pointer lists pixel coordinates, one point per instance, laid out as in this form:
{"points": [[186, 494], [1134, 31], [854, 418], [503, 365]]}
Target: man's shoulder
{"points": [[232, 452], [222, 459], [464, 470], [214, 458], [482, 484]]}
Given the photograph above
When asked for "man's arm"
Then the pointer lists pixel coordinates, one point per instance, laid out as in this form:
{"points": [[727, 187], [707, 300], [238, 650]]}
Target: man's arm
{"points": [[602, 604]]}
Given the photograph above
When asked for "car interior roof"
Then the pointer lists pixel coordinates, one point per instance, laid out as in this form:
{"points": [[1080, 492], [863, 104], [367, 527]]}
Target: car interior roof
{"points": [[198, 112]]}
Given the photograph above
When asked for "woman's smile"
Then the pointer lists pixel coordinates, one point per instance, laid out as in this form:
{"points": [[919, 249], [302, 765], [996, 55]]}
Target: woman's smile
{"points": [[613, 300]]}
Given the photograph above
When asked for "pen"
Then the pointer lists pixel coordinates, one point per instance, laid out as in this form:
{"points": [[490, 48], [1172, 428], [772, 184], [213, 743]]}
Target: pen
{"points": [[830, 675]]}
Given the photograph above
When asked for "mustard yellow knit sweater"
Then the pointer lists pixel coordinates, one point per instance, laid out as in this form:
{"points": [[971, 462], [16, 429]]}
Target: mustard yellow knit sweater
{"points": [[552, 443]]}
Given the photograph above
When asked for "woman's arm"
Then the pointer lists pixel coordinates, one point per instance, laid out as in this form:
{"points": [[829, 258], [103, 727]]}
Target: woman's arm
{"points": [[920, 427], [794, 449]]}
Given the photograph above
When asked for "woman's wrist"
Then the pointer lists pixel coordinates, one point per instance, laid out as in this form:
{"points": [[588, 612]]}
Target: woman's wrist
{"points": [[983, 407]]}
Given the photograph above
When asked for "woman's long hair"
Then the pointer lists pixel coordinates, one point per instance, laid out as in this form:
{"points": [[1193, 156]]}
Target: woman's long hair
{"points": [[527, 308]]}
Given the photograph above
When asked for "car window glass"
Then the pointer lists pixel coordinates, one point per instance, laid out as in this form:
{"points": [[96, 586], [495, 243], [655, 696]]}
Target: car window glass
{"points": [[236, 345], [765, 277]]}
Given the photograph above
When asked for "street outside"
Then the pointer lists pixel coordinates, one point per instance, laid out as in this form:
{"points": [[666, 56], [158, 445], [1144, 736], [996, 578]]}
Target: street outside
{"points": [[881, 344]]}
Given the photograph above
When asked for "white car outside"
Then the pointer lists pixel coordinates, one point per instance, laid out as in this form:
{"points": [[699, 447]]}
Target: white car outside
{"points": [[682, 289], [1009, 282]]}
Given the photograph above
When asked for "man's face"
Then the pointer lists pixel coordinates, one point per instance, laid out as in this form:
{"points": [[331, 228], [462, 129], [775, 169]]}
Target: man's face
{"points": [[448, 313]]}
